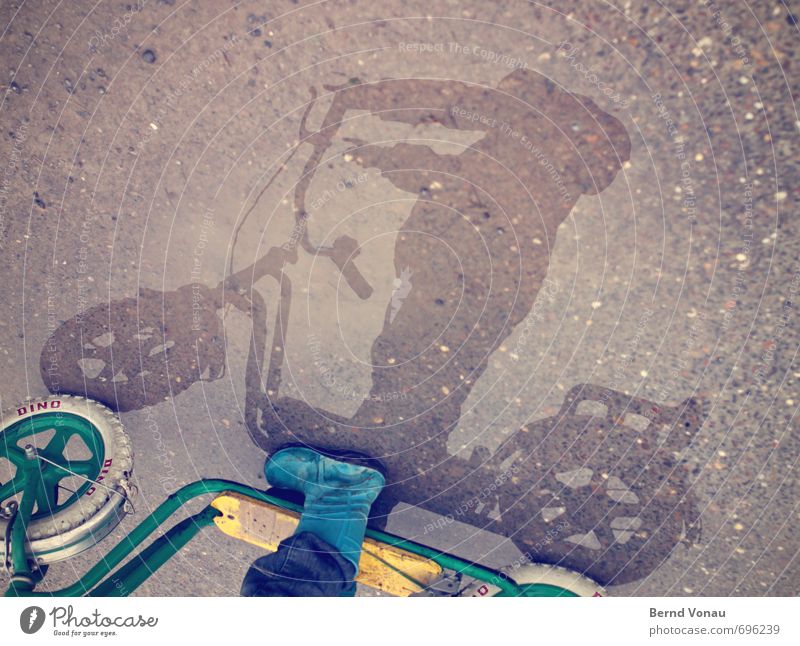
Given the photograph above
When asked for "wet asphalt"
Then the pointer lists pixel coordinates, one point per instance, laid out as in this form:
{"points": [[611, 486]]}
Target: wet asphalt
{"points": [[539, 260]]}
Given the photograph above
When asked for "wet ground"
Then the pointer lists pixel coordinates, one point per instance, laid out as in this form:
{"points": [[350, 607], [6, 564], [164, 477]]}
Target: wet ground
{"points": [[540, 260]]}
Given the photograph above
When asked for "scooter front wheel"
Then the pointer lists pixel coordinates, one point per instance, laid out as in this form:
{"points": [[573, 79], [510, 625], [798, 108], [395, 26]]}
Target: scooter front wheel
{"points": [[81, 484]]}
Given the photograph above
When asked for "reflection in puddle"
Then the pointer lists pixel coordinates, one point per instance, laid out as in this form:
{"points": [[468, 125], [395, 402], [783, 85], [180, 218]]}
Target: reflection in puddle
{"points": [[466, 276]]}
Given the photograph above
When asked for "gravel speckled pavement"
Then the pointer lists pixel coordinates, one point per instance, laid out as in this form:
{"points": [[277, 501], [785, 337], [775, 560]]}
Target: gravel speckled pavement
{"points": [[539, 259]]}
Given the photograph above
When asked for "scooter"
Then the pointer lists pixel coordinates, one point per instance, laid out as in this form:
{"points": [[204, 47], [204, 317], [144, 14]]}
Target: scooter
{"points": [[66, 483]]}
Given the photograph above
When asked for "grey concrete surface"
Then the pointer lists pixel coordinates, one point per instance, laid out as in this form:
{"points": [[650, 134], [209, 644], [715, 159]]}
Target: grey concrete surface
{"points": [[428, 231]]}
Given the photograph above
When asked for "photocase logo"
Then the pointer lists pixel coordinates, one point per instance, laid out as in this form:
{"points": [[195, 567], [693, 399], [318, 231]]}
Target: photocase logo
{"points": [[31, 619]]}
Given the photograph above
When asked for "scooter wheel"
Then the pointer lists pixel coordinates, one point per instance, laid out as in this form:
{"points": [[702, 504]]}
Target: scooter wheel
{"points": [[83, 480]]}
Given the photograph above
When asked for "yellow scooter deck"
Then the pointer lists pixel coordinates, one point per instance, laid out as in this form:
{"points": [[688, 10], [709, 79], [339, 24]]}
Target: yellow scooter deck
{"points": [[382, 566]]}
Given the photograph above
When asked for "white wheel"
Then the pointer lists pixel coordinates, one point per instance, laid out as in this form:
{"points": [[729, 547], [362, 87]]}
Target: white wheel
{"points": [[86, 463], [559, 577], [544, 581]]}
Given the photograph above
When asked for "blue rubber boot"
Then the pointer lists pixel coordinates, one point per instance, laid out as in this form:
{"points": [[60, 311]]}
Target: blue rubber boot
{"points": [[338, 496]]}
